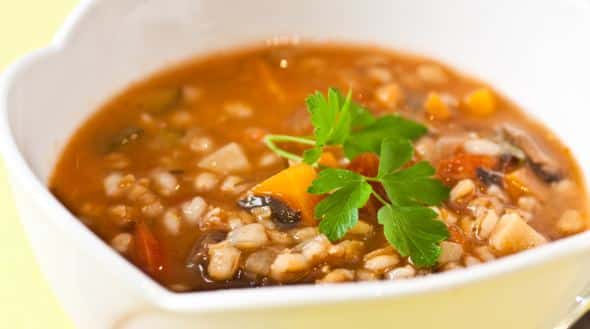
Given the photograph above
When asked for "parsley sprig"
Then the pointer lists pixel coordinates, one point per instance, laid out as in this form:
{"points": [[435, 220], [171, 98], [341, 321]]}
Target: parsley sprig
{"points": [[408, 222]]}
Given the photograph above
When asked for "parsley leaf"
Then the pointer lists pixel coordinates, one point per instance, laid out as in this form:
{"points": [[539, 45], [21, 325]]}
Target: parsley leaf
{"points": [[408, 224], [331, 179], [332, 117], [414, 232], [341, 129], [394, 154], [322, 116], [369, 138], [361, 117], [415, 186], [338, 212]]}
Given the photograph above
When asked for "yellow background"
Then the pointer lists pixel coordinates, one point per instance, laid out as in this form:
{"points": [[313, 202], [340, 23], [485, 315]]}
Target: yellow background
{"points": [[26, 300]]}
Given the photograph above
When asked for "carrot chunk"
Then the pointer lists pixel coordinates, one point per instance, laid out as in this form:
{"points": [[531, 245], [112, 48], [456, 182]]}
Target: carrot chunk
{"points": [[436, 108], [290, 186], [329, 160], [480, 102], [147, 250]]}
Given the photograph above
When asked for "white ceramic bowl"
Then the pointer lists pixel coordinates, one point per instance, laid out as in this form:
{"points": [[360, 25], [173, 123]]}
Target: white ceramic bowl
{"points": [[536, 52]]}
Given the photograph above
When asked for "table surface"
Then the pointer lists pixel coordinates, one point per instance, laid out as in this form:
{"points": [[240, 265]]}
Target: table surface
{"points": [[27, 301]]}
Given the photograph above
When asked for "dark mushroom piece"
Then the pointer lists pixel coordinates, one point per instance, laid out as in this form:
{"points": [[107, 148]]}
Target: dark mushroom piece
{"points": [[490, 177], [281, 213], [543, 165]]}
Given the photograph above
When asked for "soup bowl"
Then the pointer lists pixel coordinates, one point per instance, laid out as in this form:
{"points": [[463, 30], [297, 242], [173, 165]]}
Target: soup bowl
{"points": [[534, 52]]}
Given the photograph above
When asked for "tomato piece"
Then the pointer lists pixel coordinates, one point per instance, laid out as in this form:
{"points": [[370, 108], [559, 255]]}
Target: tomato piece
{"points": [[456, 234], [463, 166], [366, 164]]}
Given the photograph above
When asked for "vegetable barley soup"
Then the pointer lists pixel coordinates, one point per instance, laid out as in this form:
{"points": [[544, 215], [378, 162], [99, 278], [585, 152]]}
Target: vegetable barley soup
{"points": [[316, 164]]}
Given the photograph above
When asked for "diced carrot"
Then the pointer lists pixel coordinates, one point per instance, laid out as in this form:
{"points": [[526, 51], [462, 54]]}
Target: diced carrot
{"points": [[463, 166], [480, 102], [436, 108], [147, 250], [290, 186], [329, 160], [523, 181], [514, 187]]}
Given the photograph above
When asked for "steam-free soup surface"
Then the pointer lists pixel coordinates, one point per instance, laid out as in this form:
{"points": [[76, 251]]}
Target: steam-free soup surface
{"points": [[158, 173]]}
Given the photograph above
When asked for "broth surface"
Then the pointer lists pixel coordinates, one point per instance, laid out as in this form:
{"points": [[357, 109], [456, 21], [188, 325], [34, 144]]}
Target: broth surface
{"points": [[132, 170]]}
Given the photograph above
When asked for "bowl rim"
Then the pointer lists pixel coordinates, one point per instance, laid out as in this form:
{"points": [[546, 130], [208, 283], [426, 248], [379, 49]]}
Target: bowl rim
{"points": [[280, 296]]}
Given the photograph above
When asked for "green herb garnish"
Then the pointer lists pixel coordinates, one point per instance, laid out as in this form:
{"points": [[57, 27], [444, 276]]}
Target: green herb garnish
{"points": [[408, 222]]}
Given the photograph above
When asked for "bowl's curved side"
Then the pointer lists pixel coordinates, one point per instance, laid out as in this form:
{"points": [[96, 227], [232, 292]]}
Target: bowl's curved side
{"points": [[108, 44]]}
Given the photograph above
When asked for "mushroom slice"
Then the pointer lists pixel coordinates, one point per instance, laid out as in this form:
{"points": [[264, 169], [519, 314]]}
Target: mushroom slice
{"points": [[490, 177], [543, 165], [281, 213]]}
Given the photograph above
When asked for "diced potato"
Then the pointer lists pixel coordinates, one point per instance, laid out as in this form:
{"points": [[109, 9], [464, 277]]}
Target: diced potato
{"points": [[290, 186], [513, 234], [228, 159], [436, 108], [480, 102]]}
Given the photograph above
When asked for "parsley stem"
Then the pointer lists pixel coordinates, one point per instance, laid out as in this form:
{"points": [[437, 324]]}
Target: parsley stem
{"points": [[287, 138], [270, 141], [378, 197]]}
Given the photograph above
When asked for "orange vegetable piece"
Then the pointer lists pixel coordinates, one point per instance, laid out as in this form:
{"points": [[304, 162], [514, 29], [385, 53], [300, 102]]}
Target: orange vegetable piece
{"points": [[329, 160], [524, 181], [436, 108], [290, 186], [480, 102], [463, 166], [147, 250], [514, 187]]}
